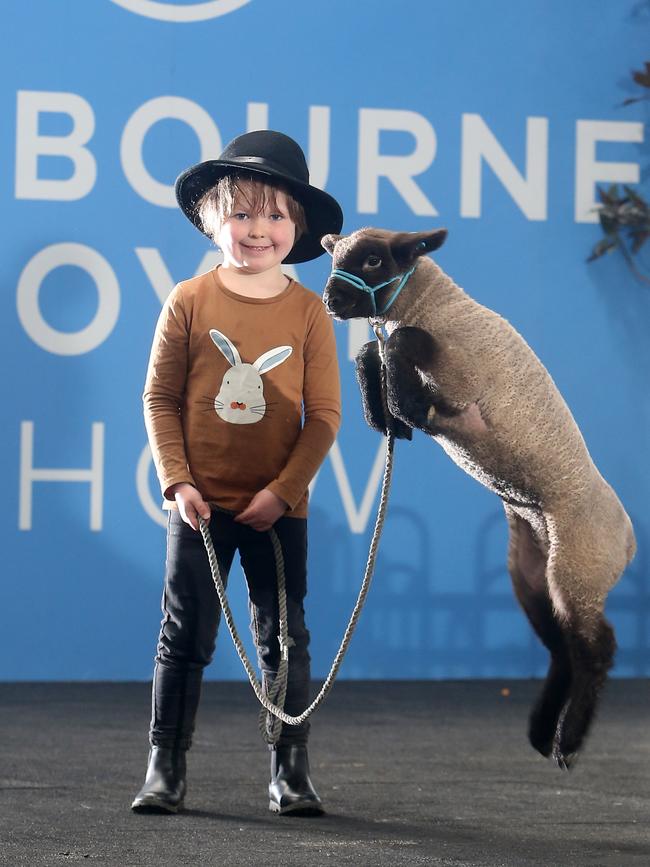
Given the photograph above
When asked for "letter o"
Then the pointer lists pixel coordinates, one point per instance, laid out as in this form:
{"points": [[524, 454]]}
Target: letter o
{"points": [[29, 311], [137, 127], [192, 12]]}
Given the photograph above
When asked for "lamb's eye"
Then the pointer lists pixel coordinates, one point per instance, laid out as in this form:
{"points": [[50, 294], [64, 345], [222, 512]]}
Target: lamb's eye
{"points": [[373, 261]]}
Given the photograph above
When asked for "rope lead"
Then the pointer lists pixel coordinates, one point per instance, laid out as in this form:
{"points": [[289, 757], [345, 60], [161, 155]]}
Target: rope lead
{"points": [[272, 699]]}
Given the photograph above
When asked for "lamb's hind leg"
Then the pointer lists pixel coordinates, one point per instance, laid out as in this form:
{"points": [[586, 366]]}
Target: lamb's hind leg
{"points": [[582, 568], [527, 563], [592, 647]]}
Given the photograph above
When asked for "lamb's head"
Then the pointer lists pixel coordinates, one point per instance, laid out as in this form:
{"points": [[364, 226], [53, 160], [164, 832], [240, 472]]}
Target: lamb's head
{"points": [[371, 267]]}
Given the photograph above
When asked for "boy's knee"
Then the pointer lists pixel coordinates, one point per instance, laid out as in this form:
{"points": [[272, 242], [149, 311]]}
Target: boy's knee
{"points": [[183, 646]]}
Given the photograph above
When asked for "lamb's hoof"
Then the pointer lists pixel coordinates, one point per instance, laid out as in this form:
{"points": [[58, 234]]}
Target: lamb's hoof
{"points": [[564, 761], [566, 745], [543, 745], [541, 731]]}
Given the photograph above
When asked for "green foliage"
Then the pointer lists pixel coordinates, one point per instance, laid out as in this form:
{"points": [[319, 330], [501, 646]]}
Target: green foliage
{"points": [[643, 79], [625, 215]]}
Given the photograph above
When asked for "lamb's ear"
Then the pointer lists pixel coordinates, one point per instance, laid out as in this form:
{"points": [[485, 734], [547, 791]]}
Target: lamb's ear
{"points": [[272, 358], [229, 349], [328, 242], [407, 246]]}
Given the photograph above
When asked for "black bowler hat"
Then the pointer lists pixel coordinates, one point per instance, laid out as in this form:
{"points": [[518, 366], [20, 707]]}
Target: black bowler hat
{"points": [[271, 155]]}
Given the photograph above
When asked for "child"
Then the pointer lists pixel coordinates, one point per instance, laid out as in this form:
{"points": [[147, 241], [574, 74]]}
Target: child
{"points": [[239, 356]]}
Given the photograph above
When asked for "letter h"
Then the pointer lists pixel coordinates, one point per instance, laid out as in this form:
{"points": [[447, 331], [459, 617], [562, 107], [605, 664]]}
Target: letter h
{"points": [[30, 474]]}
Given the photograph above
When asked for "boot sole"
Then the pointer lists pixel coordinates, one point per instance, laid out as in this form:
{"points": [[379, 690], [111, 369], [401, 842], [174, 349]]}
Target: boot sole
{"points": [[297, 809], [154, 805]]}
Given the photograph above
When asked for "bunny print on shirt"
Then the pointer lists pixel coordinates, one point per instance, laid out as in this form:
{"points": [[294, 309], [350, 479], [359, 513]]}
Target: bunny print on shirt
{"points": [[241, 397]]}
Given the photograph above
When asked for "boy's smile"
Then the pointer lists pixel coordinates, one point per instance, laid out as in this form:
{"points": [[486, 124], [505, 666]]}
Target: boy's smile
{"points": [[254, 242], [256, 249]]}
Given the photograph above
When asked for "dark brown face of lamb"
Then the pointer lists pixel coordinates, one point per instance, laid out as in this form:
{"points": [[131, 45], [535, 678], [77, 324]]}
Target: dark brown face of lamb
{"points": [[370, 267]]}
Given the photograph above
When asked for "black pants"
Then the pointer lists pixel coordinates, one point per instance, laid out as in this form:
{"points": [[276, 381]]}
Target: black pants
{"points": [[191, 614]]}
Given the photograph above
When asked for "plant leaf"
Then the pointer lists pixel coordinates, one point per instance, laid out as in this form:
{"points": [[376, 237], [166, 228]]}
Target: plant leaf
{"points": [[602, 247], [632, 193], [639, 239], [610, 197], [610, 225], [642, 78]]}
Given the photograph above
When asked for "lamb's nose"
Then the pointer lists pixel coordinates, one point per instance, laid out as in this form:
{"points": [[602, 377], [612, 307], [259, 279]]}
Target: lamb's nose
{"points": [[331, 294]]}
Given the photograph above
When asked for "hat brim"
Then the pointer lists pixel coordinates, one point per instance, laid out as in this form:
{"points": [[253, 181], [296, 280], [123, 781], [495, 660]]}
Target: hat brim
{"points": [[323, 212]]}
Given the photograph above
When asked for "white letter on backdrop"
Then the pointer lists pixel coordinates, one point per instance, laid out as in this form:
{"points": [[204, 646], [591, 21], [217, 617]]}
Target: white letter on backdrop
{"points": [[163, 282], [158, 272], [29, 311], [589, 171], [357, 518], [398, 169], [529, 191], [139, 124], [257, 116], [30, 145], [358, 335], [319, 145], [30, 474]]}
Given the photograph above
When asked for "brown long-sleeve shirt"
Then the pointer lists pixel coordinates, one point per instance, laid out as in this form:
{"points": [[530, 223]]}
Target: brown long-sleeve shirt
{"points": [[241, 393]]}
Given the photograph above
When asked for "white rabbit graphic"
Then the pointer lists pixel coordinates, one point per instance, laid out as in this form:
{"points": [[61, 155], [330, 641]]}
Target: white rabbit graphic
{"points": [[241, 396]]}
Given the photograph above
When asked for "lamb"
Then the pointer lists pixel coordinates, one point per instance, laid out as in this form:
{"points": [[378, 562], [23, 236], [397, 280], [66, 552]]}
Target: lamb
{"points": [[462, 374]]}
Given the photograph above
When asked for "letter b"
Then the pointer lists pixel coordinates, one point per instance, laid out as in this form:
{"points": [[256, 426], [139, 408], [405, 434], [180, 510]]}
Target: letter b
{"points": [[30, 144]]}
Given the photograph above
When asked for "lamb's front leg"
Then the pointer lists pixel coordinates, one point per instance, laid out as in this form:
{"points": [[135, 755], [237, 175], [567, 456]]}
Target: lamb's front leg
{"points": [[368, 369], [409, 350]]}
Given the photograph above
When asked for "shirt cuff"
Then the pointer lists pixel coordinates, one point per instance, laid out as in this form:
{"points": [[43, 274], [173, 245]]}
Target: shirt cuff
{"points": [[283, 492]]}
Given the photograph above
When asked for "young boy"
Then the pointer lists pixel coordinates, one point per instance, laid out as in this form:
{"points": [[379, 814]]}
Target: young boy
{"points": [[242, 403]]}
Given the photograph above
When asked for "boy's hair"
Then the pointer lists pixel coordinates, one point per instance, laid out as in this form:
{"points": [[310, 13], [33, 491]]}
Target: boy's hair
{"points": [[218, 203]]}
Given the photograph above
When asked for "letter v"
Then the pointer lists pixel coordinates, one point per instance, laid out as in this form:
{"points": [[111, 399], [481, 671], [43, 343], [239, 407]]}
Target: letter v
{"points": [[158, 273], [357, 517]]}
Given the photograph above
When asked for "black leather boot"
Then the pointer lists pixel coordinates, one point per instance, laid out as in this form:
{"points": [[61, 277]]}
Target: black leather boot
{"points": [[290, 789], [164, 786]]}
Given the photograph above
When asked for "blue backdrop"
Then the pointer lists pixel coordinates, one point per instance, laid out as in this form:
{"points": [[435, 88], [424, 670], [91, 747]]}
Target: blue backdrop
{"points": [[495, 119]]}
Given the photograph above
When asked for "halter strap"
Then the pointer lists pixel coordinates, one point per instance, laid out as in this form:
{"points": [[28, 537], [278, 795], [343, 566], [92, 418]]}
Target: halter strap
{"points": [[358, 283]]}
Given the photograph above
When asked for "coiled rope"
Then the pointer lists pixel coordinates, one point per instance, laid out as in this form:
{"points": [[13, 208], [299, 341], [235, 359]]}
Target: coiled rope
{"points": [[272, 700]]}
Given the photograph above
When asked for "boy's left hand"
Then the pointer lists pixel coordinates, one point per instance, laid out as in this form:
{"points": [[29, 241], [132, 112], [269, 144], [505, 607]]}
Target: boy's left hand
{"points": [[263, 511]]}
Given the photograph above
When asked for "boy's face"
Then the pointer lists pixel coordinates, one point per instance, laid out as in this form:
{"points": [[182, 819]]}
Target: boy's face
{"points": [[255, 241]]}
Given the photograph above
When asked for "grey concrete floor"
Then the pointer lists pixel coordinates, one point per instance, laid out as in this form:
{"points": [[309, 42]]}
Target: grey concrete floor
{"points": [[411, 773]]}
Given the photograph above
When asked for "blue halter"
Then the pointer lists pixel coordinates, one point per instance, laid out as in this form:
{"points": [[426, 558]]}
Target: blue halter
{"points": [[358, 283]]}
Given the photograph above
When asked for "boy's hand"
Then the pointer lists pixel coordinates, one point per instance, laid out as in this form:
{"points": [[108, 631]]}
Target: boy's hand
{"points": [[263, 511], [190, 503]]}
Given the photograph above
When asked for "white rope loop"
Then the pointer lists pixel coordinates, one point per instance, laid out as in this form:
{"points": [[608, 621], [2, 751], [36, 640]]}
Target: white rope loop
{"points": [[273, 700], [258, 689]]}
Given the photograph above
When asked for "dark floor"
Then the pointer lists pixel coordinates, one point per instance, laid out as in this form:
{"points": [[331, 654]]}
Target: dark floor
{"points": [[411, 773]]}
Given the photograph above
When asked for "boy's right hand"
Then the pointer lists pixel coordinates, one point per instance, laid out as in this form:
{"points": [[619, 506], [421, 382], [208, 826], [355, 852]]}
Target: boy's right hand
{"points": [[190, 504]]}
